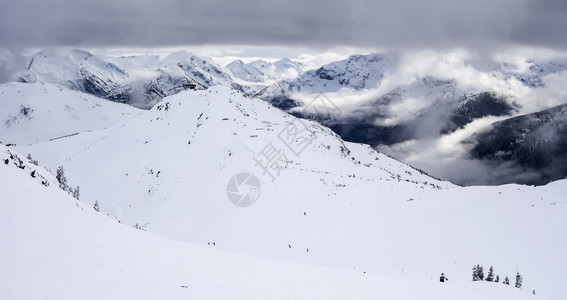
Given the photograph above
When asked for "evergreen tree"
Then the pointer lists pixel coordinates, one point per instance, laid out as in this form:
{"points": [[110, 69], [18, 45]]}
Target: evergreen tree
{"points": [[95, 206], [475, 273], [497, 278], [518, 280], [75, 192], [490, 276], [478, 273], [31, 160], [506, 281], [62, 179]]}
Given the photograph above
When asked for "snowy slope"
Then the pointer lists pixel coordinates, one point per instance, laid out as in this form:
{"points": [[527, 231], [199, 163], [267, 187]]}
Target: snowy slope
{"points": [[57, 248], [335, 204], [32, 113]]}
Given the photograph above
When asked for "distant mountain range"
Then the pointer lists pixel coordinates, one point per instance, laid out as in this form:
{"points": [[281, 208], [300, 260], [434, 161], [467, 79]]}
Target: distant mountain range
{"points": [[425, 107], [446, 108], [140, 81], [144, 80]]}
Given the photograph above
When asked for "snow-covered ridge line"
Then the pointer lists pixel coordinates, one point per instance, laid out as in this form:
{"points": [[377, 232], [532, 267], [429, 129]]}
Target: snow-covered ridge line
{"points": [[140, 81]]}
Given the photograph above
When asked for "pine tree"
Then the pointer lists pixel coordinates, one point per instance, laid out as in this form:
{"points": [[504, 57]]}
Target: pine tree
{"points": [[75, 192], [506, 281], [478, 273], [518, 280], [497, 278], [62, 179], [490, 276], [31, 160], [475, 273], [95, 206]]}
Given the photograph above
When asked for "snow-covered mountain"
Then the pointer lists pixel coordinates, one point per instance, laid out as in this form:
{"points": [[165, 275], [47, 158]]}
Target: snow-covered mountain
{"points": [[366, 72], [216, 133], [362, 73], [261, 71], [356, 72], [140, 81], [322, 204], [75, 69], [536, 71]]}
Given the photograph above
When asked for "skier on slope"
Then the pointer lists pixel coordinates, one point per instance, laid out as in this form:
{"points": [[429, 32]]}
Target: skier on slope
{"points": [[443, 278]]}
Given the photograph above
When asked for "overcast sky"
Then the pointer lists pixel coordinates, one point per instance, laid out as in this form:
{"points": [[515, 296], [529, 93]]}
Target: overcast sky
{"points": [[479, 24]]}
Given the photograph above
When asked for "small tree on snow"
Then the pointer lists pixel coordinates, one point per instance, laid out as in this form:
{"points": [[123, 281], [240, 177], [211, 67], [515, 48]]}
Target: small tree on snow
{"points": [[506, 281], [475, 273], [31, 160], [75, 192], [490, 276], [62, 179], [518, 280], [478, 273], [96, 207], [497, 278]]}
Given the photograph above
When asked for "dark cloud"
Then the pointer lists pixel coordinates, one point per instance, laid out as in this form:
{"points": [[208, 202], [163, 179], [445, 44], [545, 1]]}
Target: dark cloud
{"points": [[385, 23], [545, 23]]}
